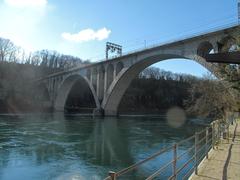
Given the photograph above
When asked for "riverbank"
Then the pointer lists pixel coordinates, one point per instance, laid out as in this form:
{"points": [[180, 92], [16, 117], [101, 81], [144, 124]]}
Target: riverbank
{"points": [[223, 162]]}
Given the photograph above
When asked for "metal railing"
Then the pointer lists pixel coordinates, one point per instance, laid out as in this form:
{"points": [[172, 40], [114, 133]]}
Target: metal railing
{"points": [[202, 141]]}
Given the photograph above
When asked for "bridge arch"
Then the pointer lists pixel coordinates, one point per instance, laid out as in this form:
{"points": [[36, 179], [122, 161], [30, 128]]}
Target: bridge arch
{"points": [[226, 43], [119, 67], [125, 77], [89, 74], [110, 74], [94, 78], [204, 48], [66, 87], [101, 82]]}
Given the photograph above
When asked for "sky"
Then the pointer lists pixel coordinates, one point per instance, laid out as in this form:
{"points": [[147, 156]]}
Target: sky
{"points": [[82, 28]]}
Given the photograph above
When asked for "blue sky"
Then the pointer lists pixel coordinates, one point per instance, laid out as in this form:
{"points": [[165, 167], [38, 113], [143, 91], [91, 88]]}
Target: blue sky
{"points": [[81, 28]]}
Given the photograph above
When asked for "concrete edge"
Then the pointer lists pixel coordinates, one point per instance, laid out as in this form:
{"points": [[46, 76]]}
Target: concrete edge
{"points": [[210, 152]]}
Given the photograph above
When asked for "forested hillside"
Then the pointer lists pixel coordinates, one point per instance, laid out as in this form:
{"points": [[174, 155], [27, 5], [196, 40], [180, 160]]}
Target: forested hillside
{"points": [[19, 69], [155, 90]]}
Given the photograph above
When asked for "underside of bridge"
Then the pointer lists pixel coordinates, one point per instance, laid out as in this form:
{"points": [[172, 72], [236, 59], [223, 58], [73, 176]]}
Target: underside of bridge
{"points": [[80, 99], [156, 90], [75, 95], [111, 106]]}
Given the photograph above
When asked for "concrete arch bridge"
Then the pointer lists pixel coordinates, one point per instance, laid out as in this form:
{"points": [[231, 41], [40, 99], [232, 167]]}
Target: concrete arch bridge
{"points": [[108, 80]]}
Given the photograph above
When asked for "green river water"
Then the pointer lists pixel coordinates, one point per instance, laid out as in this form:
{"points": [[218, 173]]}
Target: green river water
{"points": [[58, 146]]}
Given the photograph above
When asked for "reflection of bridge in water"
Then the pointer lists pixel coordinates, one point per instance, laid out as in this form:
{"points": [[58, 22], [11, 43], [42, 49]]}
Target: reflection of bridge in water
{"points": [[108, 145], [83, 142], [108, 80]]}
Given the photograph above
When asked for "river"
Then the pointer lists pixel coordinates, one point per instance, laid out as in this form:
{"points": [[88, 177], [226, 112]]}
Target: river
{"points": [[58, 146]]}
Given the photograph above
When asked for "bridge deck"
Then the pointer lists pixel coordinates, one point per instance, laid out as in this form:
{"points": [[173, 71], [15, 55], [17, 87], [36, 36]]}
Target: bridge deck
{"points": [[223, 162], [152, 47]]}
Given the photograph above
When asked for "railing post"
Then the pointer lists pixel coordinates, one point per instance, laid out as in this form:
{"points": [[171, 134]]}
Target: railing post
{"points": [[206, 144], [195, 153], [113, 175], [174, 161], [219, 132], [213, 134], [228, 132]]}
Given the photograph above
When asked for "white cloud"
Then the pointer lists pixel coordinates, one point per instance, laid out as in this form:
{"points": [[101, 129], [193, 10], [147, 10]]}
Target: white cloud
{"points": [[26, 3], [87, 35]]}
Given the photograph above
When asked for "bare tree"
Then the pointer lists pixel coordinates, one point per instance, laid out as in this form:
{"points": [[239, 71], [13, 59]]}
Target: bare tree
{"points": [[209, 98], [7, 50]]}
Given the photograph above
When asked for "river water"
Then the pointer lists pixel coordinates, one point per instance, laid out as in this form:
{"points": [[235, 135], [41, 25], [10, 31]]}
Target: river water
{"points": [[58, 146]]}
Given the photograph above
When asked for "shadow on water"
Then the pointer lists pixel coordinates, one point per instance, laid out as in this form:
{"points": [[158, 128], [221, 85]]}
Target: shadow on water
{"points": [[58, 146]]}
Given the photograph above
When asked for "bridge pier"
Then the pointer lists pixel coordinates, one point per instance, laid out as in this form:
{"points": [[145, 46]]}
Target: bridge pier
{"points": [[58, 108], [98, 112], [111, 113]]}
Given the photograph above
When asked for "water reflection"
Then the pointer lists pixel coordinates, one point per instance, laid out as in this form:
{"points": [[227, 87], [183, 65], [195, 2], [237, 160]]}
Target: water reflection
{"points": [[107, 145], [57, 146]]}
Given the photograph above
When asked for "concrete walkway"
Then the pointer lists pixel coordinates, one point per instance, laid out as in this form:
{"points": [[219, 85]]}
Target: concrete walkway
{"points": [[224, 161]]}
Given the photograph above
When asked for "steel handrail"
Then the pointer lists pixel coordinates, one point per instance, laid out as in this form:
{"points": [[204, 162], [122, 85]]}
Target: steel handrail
{"points": [[124, 171], [199, 142], [184, 153], [185, 140], [188, 173], [200, 132], [209, 141], [201, 148], [143, 161], [155, 174], [211, 136], [200, 158], [185, 164]]}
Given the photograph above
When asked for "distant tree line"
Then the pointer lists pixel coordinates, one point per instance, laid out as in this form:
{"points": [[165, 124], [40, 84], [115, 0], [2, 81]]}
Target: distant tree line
{"points": [[156, 90], [18, 69], [48, 61]]}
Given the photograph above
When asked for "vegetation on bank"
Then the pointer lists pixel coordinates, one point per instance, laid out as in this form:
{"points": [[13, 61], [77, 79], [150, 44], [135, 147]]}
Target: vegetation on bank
{"points": [[157, 90]]}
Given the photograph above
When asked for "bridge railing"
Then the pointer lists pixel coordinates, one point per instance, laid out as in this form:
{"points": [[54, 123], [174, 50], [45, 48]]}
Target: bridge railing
{"points": [[176, 39], [148, 47], [202, 141]]}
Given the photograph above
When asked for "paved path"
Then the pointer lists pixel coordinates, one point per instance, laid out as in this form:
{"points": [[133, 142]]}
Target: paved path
{"points": [[223, 162]]}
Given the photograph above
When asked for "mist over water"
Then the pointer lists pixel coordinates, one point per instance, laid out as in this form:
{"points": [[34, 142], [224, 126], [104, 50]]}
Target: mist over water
{"points": [[58, 146]]}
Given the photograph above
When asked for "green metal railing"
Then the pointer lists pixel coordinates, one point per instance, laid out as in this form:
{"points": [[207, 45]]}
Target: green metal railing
{"points": [[204, 141]]}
